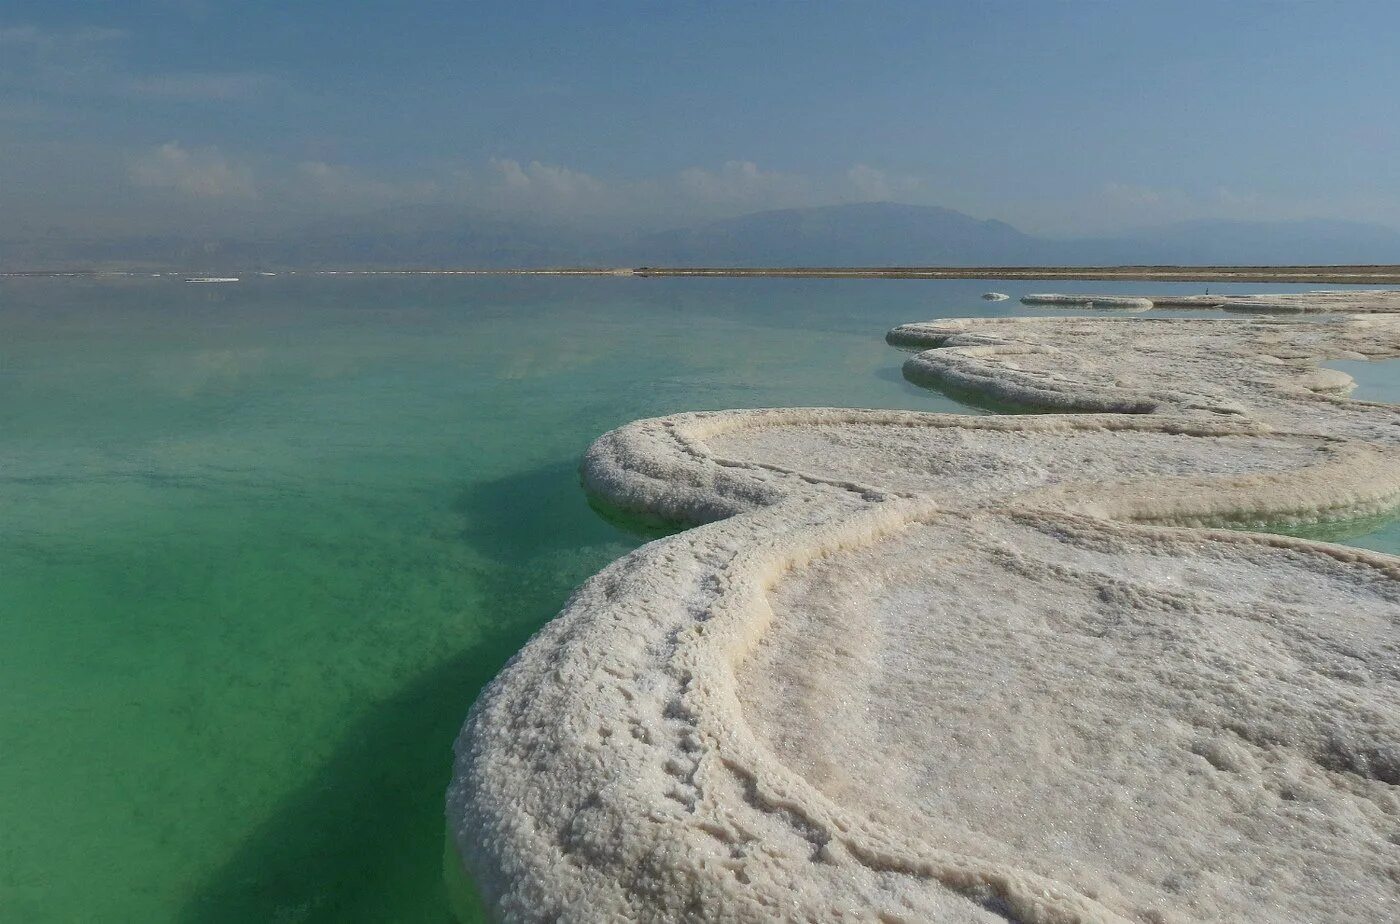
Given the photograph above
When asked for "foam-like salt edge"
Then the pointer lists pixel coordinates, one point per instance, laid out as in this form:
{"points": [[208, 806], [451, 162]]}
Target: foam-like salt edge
{"points": [[617, 770]]}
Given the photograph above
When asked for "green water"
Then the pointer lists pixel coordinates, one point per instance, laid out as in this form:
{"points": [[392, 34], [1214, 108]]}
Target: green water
{"points": [[261, 544], [1375, 381]]}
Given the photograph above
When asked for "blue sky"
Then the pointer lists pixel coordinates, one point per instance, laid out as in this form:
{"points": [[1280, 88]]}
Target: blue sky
{"points": [[201, 116]]}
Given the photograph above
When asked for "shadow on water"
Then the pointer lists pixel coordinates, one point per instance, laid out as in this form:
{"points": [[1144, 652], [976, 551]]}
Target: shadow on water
{"points": [[363, 839], [366, 831], [642, 526], [895, 376], [529, 515]]}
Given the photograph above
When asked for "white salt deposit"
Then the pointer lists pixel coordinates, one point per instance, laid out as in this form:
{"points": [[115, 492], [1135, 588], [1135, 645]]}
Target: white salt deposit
{"points": [[1353, 301], [1125, 302], [1179, 728], [995, 296], [929, 667], [1263, 369], [1349, 301]]}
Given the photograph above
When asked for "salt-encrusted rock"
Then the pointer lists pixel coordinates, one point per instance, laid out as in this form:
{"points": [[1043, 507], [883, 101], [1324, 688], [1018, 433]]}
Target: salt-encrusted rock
{"points": [[995, 296], [925, 667]]}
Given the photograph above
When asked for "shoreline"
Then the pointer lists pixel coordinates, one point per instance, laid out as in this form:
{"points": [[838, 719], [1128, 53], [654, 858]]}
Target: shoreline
{"points": [[1336, 274]]}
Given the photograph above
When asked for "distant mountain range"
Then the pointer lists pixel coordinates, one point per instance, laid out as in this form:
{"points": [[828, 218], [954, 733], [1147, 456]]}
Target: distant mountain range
{"points": [[864, 234], [1251, 242]]}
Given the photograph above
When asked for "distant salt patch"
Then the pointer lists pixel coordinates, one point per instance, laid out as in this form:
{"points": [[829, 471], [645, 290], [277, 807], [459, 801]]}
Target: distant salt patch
{"points": [[1341, 301], [1122, 302], [995, 296], [1262, 369]]}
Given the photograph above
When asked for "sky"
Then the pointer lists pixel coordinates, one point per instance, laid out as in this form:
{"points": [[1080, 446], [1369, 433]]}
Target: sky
{"points": [[200, 117]]}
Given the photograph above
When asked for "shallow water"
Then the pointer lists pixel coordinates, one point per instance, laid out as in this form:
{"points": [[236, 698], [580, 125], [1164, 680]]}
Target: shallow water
{"points": [[261, 544]]}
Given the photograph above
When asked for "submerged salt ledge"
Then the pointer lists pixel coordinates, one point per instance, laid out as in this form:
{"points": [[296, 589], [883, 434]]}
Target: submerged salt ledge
{"points": [[931, 667]]}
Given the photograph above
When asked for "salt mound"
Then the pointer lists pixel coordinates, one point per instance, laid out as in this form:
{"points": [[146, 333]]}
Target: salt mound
{"points": [[931, 667], [995, 296]]}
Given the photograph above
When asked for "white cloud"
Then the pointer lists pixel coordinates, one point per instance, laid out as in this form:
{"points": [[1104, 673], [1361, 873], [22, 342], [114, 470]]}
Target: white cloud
{"points": [[872, 184], [511, 173], [869, 182], [547, 180], [298, 190], [203, 173], [743, 183]]}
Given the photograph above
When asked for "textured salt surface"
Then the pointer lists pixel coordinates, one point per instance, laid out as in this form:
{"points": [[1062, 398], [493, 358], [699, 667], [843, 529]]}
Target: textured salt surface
{"points": [[1181, 728], [920, 667], [986, 459]]}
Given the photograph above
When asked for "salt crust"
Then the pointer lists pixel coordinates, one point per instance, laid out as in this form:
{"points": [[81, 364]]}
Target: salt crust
{"points": [[1353, 301], [936, 667], [1128, 302]]}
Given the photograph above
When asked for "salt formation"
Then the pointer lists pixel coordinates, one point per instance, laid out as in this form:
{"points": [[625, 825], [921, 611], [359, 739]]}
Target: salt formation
{"points": [[995, 296], [1129, 303], [929, 667], [1369, 301], [1262, 369]]}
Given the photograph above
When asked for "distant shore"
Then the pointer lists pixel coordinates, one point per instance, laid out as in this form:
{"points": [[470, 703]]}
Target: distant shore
{"points": [[1336, 274], [1358, 274]]}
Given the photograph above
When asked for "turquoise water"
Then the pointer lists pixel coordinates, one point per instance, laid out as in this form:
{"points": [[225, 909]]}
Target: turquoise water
{"points": [[261, 544], [1375, 381]]}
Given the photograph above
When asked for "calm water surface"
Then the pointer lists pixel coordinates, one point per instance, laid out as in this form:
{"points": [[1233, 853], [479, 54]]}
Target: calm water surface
{"points": [[261, 545]]}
